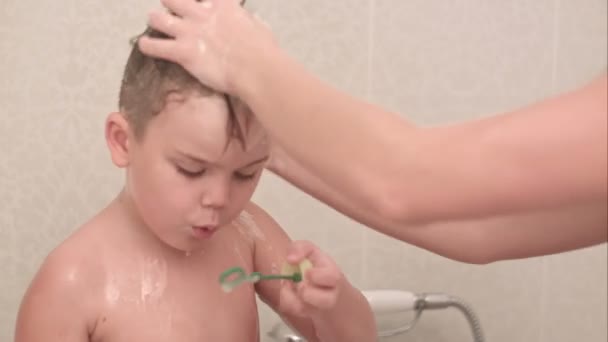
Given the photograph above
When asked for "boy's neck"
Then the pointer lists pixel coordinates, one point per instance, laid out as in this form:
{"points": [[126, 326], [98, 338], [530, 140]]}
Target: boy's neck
{"points": [[135, 226]]}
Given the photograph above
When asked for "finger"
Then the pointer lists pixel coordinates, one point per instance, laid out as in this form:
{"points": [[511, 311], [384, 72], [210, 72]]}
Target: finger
{"points": [[165, 22], [183, 8], [300, 250], [289, 301], [317, 297], [324, 277], [158, 47]]}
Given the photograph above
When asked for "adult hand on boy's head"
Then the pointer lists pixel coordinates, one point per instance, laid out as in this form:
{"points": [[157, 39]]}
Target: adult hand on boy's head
{"points": [[321, 285], [213, 39]]}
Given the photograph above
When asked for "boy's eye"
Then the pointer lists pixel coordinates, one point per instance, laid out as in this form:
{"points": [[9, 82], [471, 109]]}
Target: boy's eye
{"points": [[244, 176], [189, 173]]}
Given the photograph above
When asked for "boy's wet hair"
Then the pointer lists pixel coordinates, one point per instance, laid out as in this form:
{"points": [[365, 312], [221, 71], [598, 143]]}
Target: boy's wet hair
{"points": [[147, 83]]}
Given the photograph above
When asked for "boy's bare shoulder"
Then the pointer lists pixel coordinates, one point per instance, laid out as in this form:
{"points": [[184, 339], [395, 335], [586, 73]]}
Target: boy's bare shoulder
{"points": [[70, 267], [254, 209], [261, 224], [259, 216], [61, 294], [75, 266]]}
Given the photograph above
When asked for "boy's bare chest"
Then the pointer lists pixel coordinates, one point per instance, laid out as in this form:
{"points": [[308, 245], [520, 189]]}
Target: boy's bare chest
{"points": [[195, 319], [152, 300]]}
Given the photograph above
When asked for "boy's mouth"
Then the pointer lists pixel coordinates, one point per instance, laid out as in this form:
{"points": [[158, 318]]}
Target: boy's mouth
{"points": [[203, 232]]}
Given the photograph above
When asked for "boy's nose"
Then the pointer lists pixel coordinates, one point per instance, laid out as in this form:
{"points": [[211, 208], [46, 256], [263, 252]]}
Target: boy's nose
{"points": [[216, 196]]}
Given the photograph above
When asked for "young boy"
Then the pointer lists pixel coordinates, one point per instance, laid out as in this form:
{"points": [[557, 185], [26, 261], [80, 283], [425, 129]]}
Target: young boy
{"points": [[146, 268]]}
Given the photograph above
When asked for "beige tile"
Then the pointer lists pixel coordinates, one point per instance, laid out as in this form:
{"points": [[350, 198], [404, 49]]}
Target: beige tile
{"points": [[390, 263], [460, 53], [574, 297], [581, 51], [329, 37], [7, 281]]}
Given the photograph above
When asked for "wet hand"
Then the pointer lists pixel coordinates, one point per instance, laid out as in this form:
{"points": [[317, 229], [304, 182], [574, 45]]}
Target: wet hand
{"points": [[319, 291], [212, 39]]}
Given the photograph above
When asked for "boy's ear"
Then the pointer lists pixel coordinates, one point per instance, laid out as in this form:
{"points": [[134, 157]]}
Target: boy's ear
{"points": [[117, 138]]}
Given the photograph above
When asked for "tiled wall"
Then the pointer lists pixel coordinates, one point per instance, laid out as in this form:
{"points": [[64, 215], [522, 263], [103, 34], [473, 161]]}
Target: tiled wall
{"points": [[434, 61]]}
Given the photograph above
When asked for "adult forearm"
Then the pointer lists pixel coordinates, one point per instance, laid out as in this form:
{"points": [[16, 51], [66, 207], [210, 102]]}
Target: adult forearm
{"points": [[478, 240], [550, 154], [515, 236]]}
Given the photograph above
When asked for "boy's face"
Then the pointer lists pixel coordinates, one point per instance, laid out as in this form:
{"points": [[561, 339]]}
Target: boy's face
{"points": [[184, 179]]}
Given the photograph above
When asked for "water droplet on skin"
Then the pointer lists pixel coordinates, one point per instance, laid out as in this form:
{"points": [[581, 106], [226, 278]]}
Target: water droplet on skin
{"points": [[202, 47], [227, 288]]}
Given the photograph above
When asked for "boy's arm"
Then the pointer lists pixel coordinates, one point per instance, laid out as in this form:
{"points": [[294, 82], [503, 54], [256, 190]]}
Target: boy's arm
{"points": [[350, 319], [476, 240], [54, 308]]}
